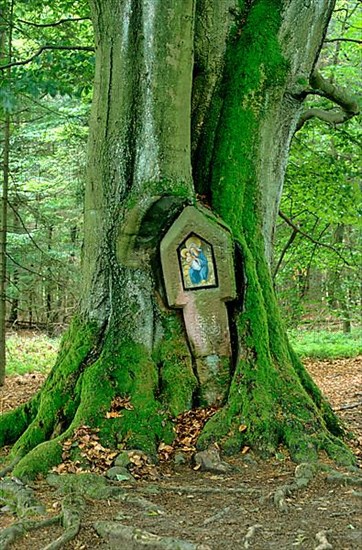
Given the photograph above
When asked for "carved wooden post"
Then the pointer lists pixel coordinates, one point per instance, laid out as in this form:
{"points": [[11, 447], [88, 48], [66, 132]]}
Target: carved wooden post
{"points": [[198, 268]]}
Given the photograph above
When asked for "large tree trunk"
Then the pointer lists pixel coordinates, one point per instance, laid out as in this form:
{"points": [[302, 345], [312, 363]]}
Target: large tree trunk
{"points": [[192, 99]]}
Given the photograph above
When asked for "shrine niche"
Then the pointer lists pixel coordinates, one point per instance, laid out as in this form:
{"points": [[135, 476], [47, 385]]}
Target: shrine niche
{"points": [[198, 268], [196, 258]]}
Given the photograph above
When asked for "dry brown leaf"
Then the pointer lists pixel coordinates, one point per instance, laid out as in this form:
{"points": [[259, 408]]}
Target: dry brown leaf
{"points": [[163, 447], [114, 414]]}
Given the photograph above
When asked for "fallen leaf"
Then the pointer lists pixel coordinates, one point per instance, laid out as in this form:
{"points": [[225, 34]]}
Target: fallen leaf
{"points": [[114, 414]]}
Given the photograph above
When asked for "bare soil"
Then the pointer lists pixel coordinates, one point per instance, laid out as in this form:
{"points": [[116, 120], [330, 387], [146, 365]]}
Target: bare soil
{"points": [[211, 511]]}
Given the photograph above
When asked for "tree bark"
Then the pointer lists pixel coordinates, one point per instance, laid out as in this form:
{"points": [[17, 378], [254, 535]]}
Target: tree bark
{"points": [[191, 98], [5, 52]]}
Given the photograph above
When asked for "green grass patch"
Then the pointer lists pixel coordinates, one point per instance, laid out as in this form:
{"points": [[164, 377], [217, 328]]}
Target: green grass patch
{"points": [[27, 353], [324, 344]]}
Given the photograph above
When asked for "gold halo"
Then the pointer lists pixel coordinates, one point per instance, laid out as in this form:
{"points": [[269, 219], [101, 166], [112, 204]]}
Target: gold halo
{"points": [[193, 240], [184, 251]]}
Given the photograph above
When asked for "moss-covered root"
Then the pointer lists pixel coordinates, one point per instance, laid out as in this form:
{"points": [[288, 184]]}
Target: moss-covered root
{"points": [[264, 424], [10, 535], [14, 423], [52, 410], [40, 460], [127, 373]]}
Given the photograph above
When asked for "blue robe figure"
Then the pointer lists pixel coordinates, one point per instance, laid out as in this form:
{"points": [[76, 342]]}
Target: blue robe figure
{"points": [[199, 268]]}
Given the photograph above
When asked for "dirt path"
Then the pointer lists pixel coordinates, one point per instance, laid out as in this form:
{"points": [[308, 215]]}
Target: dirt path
{"points": [[256, 506]]}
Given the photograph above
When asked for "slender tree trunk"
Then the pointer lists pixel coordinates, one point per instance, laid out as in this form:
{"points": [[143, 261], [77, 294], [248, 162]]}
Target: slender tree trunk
{"points": [[14, 307], [3, 239], [338, 295], [49, 283], [5, 53], [30, 309]]}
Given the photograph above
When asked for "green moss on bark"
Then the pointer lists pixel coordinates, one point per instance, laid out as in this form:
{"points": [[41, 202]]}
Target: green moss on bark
{"points": [[129, 371], [40, 459], [177, 379], [14, 423], [254, 66], [270, 392], [57, 400]]}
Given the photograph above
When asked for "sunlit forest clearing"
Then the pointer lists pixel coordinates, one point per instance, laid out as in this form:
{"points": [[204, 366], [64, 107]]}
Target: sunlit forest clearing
{"points": [[180, 274]]}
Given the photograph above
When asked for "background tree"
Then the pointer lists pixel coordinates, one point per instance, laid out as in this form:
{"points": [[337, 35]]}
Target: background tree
{"points": [[200, 99], [6, 46]]}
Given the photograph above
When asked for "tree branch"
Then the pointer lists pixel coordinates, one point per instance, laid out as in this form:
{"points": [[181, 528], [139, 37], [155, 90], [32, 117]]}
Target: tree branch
{"points": [[41, 275], [46, 254], [56, 23], [287, 245], [43, 49], [306, 280], [344, 40], [348, 104], [330, 247]]}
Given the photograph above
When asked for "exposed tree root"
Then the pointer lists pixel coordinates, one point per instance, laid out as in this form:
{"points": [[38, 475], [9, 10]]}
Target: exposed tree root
{"points": [[20, 496], [339, 478], [190, 489], [72, 508], [9, 467], [250, 534], [9, 535], [304, 473], [131, 537], [348, 406], [217, 516], [97, 487], [22, 502]]}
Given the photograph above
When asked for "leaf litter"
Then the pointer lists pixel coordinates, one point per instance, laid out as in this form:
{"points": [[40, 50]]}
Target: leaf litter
{"points": [[219, 513]]}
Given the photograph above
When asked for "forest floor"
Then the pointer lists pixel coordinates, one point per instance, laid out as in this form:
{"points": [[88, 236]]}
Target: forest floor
{"points": [[257, 504]]}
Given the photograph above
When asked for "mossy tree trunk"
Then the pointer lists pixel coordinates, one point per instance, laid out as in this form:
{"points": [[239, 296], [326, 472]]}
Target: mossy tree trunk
{"points": [[192, 100]]}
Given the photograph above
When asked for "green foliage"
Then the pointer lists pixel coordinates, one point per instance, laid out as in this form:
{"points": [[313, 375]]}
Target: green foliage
{"points": [[324, 344], [49, 130], [47, 166], [54, 71], [30, 353], [322, 197], [320, 277]]}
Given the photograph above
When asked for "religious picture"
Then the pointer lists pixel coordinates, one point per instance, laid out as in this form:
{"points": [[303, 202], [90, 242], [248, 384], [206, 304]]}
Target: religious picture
{"points": [[197, 263]]}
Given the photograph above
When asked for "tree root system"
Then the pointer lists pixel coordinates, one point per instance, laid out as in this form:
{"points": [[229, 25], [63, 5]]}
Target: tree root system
{"points": [[202, 511]]}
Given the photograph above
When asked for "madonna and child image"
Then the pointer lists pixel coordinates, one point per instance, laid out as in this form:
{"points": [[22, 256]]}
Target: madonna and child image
{"points": [[197, 263]]}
